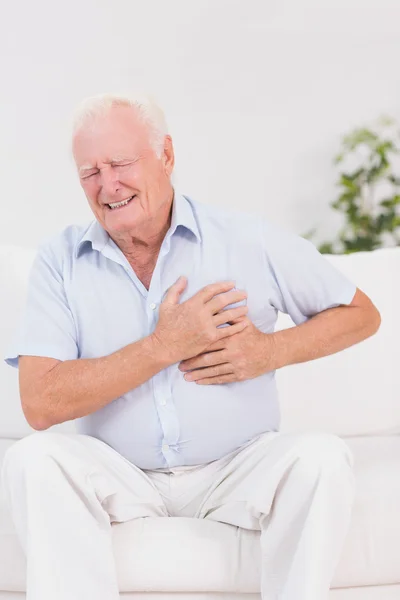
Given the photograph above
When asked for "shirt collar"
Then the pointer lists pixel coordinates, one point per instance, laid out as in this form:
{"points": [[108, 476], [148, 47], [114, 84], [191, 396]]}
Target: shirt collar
{"points": [[182, 215], [96, 235]]}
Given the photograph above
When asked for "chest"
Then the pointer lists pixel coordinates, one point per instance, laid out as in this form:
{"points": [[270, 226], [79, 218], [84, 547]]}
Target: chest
{"points": [[143, 265], [111, 309], [144, 272]]}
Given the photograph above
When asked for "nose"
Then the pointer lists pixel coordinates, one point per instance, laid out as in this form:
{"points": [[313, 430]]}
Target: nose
{"points": [[109, 182]]}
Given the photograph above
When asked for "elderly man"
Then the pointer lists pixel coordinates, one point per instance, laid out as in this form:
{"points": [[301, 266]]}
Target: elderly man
{"points": [[153, 328]]}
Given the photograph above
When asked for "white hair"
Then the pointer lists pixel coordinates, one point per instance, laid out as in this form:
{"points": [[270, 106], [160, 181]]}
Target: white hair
{"points": [[145, 106]]}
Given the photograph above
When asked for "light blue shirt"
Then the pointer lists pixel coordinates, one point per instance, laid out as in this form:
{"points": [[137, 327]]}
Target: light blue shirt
{"points": [[85, 301]]}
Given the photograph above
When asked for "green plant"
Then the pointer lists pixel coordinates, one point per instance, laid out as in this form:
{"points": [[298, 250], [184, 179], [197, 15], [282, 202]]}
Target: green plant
{"points": [[369, 189]]}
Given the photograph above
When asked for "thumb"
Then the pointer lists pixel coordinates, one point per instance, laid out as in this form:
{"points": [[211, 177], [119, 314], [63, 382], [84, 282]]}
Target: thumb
{"points": [[174, 292]]}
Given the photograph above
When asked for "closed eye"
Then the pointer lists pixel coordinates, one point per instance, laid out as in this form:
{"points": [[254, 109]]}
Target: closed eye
{"points": [[89, 175], [123, 164]]}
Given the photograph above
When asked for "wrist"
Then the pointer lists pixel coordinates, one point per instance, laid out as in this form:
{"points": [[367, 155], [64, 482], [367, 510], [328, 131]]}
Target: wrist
{"points": [[159, 351], [279, 349]]}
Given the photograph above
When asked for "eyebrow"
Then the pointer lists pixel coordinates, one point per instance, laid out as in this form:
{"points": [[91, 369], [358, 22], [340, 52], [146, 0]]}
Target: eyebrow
{"points": [[120, 159], [85, 168]]}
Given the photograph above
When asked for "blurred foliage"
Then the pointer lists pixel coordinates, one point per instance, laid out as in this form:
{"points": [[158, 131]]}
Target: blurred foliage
{"points": [[369, 189]]}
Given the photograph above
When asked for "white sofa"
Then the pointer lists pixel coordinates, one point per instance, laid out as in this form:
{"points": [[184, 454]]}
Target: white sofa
{"points": [[354, 394]]}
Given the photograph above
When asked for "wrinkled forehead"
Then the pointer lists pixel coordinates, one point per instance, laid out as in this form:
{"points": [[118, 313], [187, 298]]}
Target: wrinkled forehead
{"points": [[117, 133]]}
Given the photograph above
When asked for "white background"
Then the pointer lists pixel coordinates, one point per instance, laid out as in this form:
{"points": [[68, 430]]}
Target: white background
{"points": [[257, 95]]}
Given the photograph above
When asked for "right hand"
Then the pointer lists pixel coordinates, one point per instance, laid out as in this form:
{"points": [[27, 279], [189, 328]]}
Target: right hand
{"points": [[186, 330]]}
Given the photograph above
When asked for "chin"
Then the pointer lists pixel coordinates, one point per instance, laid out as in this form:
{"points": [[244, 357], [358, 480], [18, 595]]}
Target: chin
{"points": [[121, 226]]}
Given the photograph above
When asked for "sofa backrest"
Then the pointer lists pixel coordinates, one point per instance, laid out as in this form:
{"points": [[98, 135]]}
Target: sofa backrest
{"points": [[354, 392]]}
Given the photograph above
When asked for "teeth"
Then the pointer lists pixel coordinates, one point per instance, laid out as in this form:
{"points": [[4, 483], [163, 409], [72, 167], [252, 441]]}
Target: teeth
{"points": [[118, 204]]}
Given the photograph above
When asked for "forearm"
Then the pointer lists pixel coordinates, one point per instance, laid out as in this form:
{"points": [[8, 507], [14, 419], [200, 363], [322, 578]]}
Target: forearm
{"points": [[326, 333], [75, 388]]}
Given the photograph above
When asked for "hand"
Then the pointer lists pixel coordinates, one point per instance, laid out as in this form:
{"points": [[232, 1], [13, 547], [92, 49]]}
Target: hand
{"points": [[187, 329], [245, 355]]}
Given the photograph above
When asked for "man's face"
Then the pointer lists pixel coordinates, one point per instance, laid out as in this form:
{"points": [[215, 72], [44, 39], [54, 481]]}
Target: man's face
{"points": [[116, 163]]}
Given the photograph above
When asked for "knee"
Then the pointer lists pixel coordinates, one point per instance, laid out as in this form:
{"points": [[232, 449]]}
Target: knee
{"points": [[28, 453], [324, 451]]}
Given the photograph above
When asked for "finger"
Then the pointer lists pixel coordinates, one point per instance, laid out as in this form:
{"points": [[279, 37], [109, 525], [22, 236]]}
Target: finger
{"points": [[229, 315], [208, 372], [175, 291], [218, 380], [224, 332], [206, 359], [240, 319], [209, 291], [218, 345], [219, 302]]}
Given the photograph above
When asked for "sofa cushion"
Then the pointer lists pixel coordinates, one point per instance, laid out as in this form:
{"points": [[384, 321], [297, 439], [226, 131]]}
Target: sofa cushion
{"points": [[356, 391], [371, 553], [215, 556]]}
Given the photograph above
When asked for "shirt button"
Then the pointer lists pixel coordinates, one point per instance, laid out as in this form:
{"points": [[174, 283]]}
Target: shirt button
{"points": [[153, 306], [165, 447], [163, 402]]}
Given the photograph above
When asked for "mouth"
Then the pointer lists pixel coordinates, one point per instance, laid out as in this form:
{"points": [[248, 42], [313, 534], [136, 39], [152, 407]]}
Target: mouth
{"points": [[120, 205]]}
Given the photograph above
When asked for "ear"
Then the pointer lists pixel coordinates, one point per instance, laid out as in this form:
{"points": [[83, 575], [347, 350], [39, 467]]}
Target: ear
{"points": [[168, 156]]}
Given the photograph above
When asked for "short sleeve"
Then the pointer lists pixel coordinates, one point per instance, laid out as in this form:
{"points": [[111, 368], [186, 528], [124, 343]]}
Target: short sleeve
{"points": [[47, 327], [302, 282]]}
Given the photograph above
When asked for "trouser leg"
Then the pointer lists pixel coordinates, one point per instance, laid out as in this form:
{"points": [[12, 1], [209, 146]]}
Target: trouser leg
{"points": [[63, 492], [297, 490]]}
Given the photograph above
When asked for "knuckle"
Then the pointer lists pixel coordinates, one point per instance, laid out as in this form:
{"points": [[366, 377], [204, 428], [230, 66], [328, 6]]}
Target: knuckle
{"points": [[212, 334], [220, 301], [211, 288]]}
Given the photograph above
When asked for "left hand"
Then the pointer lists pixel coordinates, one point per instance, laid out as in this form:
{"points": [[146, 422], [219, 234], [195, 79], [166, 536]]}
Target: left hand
{"points": [[242, 356]]}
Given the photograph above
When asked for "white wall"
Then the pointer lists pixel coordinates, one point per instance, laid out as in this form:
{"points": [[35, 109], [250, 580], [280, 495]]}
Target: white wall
{"points": [[257, 94]]}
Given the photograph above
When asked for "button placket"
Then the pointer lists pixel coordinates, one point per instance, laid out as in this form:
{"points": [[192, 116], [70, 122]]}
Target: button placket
{"points": [[162, 394]]}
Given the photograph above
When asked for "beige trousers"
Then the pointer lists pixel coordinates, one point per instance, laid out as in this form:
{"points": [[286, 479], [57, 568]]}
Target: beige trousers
{"points": [[65, 490]]}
